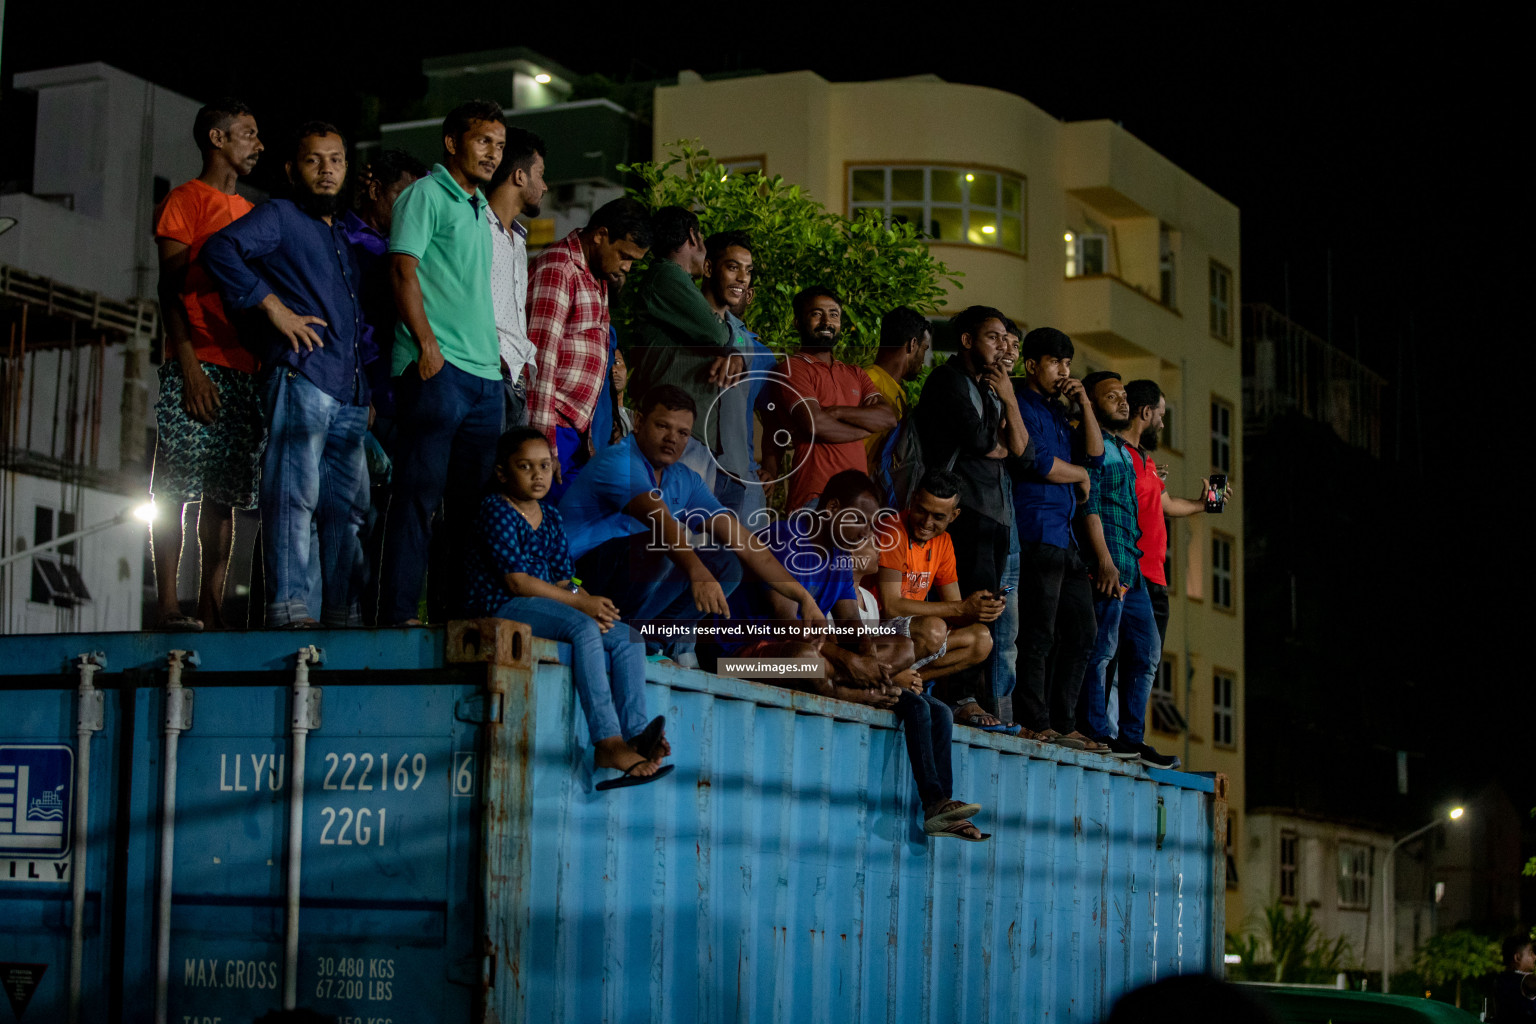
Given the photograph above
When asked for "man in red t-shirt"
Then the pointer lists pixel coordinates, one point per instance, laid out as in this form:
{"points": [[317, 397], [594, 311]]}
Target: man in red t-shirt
{"points": [[209, 420], [829, 407], [916, 556], [1153, 502]]}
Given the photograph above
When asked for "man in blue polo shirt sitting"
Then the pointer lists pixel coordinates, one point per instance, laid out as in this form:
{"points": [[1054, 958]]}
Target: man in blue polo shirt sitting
{"points": [[628, 518]]}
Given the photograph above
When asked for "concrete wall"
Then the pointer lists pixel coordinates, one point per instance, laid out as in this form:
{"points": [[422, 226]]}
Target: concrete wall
{"points": [[111, 562], [103, 136]]}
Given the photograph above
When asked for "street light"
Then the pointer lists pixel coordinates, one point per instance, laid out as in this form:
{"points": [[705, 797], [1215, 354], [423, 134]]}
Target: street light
{"points": [[1454, 814], [145, 512]]}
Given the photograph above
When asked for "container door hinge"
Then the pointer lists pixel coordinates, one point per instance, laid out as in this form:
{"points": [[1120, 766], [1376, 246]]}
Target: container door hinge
{"points": [[308, 716], [178, 707], [479, 708]]}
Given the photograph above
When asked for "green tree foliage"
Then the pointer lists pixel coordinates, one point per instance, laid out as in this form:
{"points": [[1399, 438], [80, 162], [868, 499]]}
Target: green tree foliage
{"points": [[1457, 956], [797, 243]]}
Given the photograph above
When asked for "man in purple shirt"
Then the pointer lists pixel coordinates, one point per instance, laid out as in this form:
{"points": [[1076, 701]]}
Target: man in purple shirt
{"points": [[290, 260]]}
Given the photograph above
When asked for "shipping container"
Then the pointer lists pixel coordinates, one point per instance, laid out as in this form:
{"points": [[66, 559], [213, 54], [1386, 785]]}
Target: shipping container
{"points": [[400, 827]]}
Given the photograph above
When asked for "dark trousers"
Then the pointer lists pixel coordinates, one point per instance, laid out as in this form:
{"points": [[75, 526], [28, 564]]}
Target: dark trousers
{"points": [[981, 557], [1056, 632], [1158, 595], [928, 726], [646, 584], [448, 427]]}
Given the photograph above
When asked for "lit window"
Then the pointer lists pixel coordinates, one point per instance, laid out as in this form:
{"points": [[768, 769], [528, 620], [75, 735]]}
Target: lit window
{"points": [[1221, 301], [947, 204], [1224, 702], [1288, 843], [1221, 436], [1221, 571], [1354, 876]]}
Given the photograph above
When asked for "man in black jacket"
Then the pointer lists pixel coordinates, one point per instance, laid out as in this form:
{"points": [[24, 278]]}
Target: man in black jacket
{"points": [[968, 421]]}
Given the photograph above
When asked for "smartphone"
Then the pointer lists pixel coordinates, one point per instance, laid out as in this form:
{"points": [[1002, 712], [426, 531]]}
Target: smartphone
{"points": [[1215, 500], [1005, 591]]}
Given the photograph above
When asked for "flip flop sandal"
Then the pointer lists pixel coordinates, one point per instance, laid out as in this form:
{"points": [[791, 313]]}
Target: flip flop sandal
{"points": [[1070, 742], [180, 623], [956, 813], [971, 719], [649, 739], [948, 832], [626, 780]]}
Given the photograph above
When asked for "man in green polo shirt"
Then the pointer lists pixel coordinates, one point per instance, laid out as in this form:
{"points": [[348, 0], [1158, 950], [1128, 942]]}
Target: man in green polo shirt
{"points": [[446, 359]]}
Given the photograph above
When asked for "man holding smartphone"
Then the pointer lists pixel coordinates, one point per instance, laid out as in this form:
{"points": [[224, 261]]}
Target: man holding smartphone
{"points": [[1153, 502]]}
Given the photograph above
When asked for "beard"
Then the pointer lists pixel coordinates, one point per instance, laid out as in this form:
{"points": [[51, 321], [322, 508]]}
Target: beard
{"points": [[315, 204], [530, 209], [1110, 423], [823, 338], [1149, 439]]}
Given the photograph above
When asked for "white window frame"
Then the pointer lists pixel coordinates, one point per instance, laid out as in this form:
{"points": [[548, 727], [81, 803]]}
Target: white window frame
{"points": [[1222, 415], [1223, 576], [965, 206], [1223, 710], [1220, 301], [1288, 866], [1355, 868]]}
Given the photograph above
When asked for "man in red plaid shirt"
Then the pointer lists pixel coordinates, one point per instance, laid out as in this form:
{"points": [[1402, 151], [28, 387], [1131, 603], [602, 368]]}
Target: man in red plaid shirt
{"points": [[568, 324]]}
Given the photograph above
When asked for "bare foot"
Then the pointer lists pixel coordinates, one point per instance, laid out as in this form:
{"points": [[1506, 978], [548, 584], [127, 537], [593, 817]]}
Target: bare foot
{"points": [[613, 752]]}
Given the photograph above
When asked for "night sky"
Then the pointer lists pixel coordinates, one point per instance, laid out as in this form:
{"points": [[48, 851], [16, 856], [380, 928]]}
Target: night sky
{"points": [[1388, 143]]}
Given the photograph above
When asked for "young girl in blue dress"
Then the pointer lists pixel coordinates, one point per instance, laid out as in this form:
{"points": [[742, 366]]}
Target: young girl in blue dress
{"points": [[520, 568]]}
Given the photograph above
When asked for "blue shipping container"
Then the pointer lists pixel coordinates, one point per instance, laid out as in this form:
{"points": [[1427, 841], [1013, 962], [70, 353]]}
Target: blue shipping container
{"points": [[440, 853]]}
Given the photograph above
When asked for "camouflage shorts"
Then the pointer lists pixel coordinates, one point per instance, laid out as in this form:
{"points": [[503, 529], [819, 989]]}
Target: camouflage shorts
{"points": [[220, 461]]}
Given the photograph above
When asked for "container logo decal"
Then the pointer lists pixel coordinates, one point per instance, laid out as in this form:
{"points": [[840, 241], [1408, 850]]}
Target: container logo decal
{"points": [[37, 785]]}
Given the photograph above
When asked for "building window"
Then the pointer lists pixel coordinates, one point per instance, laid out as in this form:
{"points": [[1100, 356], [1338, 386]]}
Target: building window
{"points": [[56, 579], [1165, 716], [1221, 436], [1087, 254], [1167, 270], [1354, 876], [1221, 571], [1288, 842], [1224, 710], [1231, 849], [966, 206], [1221, 301]]}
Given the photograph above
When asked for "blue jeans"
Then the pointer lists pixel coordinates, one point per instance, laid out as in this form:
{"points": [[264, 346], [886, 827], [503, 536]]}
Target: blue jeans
{"points": [[448, 428], [1002, 663], [1126, 625], [312, 472], [647, 585], [929, 728], [608, 668], [567, 446]]}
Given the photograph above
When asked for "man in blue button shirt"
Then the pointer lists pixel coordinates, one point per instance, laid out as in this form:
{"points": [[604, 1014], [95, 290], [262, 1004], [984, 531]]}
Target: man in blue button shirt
{"points": [[290, 260], [1055, 596], [628, 516]]}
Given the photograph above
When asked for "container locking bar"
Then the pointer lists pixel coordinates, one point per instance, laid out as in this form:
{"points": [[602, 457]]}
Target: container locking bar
{"points": [[90, 717], [178, 717], [305, 716]]}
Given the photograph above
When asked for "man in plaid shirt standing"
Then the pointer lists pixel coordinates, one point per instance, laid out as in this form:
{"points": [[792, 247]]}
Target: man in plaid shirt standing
{"points": [[568, 325], [1122, 602]]}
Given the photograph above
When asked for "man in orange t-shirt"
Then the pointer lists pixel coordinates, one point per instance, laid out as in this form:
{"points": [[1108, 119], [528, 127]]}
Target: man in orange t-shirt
{"points": [[209, 421], [916, 555]]}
